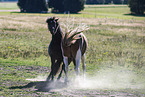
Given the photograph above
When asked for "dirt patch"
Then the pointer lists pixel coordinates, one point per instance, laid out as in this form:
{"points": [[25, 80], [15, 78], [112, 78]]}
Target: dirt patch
{"points": [[59, 88], [101, 86]]}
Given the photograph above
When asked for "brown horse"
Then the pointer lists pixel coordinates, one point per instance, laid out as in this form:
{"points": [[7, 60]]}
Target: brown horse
{"points": [[74, 48]]}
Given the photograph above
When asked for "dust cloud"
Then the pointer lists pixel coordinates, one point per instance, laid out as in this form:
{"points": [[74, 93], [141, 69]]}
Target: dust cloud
{"points": [[38, 78], [110, 79], [103, 79]]}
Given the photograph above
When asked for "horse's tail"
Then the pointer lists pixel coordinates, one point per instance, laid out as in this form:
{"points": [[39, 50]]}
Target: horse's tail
{"points": [[70, 38]]}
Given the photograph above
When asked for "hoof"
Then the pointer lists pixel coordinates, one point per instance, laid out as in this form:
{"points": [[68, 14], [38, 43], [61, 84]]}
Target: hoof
{"points": [[48, 79], [58, 79]]}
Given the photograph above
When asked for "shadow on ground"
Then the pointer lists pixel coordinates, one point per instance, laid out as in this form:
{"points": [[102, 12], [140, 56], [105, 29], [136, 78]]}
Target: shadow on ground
{"points": [[135, 15], [42, 86]]}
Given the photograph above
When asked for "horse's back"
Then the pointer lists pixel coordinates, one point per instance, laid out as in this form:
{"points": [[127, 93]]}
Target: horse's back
{"points": [[79, 44]]}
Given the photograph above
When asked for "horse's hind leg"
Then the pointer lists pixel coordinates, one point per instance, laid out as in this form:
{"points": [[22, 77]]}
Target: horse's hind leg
{"points": [[63, 68], [83, 65], [78, 61], [66, 68]]}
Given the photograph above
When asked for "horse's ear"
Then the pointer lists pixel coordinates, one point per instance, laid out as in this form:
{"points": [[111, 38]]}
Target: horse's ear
{"points": [[53, 18], [56, 19]]}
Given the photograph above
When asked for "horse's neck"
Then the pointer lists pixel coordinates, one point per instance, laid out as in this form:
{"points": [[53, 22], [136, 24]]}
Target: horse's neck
{"points": [[58, 36]]}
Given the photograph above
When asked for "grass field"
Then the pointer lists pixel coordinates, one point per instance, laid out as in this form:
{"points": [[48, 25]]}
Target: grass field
{"points": [[115, 57], [8, 6]]}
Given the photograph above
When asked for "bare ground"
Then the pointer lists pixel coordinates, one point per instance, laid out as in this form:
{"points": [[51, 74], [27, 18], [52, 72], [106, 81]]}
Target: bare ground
{"points": [[59, 88]]}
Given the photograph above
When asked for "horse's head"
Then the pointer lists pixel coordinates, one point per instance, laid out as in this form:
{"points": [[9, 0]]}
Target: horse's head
{"points": [[52, 25]]}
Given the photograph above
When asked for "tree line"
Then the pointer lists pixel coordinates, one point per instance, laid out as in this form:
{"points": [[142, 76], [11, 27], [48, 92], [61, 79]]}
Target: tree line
{"points": [[75, 6], [106, 1], [68, 6]]}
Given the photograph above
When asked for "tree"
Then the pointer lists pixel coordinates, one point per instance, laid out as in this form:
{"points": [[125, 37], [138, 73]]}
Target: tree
{"points": [[32, 6], [21, 4], [137, 6], [117, 1], [56, 5], [91, 1], [72, 6]]}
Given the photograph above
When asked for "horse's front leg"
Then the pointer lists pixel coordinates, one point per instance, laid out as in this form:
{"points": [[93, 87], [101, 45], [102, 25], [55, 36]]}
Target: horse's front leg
{"points": [[65, 59], [51, 75], [62, 68], [48, 78], [61, 72]]}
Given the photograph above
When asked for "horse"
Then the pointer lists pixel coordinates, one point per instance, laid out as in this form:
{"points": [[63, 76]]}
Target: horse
{"points": [[54, 49], [74, 47], [65, 48]]}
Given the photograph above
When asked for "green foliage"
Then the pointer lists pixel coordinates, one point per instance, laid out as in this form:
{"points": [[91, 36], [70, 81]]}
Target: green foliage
{"points": [[56, 5], [32, 6], [21, 5], [72, 6], [137, 6]]}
